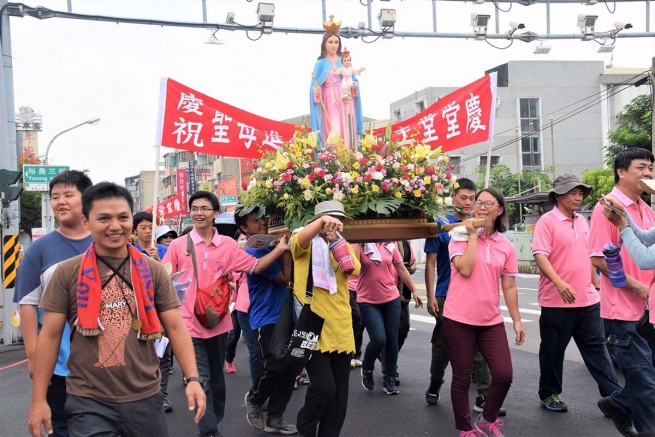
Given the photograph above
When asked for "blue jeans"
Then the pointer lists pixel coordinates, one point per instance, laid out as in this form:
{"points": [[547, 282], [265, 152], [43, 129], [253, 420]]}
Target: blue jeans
{"points": [[253, 346], [210, 359], [634, 355], [381, 322]]}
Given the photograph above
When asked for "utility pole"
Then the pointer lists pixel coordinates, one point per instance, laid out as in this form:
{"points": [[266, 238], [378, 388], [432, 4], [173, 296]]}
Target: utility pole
{"points": [[8, 161]]}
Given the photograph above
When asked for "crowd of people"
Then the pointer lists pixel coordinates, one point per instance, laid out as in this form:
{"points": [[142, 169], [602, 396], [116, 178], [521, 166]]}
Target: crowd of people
{"points": [[96, 296]]}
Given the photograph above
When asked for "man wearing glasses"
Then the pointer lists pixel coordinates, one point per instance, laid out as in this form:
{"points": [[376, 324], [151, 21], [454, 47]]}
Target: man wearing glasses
{"points": [[216, 256]]}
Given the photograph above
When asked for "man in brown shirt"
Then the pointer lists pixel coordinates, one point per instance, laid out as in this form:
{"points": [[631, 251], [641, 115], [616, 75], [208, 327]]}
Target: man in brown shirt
{"points": [[113, 384]]}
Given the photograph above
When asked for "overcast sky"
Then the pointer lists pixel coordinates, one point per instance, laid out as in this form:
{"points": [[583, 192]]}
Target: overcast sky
{"points": [[71, 70]]}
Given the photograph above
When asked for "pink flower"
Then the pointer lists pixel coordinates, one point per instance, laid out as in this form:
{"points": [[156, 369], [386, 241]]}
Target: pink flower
{"points": [[321, 173], [311, 176], [255, 165], [289, 164], [286, 177], [430, 170], [448, 175], [367, 178]]}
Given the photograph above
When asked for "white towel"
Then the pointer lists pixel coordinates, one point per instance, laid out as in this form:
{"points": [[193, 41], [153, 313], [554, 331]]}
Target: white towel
{"points": [[324, 275], [372, 250]]}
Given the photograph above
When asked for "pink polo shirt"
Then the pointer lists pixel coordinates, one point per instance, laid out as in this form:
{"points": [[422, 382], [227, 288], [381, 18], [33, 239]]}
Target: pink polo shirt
{"points": [[243, 298], [220, 257], [378, 282], [566, 244], [476, 300], [620, 303]]}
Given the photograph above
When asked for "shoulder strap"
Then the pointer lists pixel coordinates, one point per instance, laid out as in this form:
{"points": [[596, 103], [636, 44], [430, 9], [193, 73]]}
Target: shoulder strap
{"points": [[190, 250], [309, 283]]}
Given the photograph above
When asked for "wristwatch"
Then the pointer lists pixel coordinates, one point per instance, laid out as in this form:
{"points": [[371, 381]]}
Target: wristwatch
{"points": [[197, 379]]}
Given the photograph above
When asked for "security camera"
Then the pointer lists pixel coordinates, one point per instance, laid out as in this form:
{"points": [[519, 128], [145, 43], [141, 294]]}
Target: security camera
{"points": [[516, 25], [621, 26]]}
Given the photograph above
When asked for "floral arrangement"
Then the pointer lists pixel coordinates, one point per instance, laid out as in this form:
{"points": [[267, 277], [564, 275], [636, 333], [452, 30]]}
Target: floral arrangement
{"points": [[381, 179]]}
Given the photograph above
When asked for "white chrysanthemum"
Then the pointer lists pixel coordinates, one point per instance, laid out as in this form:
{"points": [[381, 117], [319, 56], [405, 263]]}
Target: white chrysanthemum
{"points": [[378, 176], [308, 195], [338, 196], [448, 201]]}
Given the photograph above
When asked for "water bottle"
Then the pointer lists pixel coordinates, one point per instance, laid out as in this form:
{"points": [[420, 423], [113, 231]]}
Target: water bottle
{"points": [[614, 263]]}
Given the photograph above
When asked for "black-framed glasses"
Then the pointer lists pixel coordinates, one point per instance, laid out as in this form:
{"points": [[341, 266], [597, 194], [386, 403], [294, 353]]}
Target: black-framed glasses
{"points": [[487, 204], [202, 209]]}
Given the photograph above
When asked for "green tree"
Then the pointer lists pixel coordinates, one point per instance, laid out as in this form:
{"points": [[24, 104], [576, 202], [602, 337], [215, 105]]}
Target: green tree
{"points": [[30, 201], [502, 179], [634, 129], [602, 181]]}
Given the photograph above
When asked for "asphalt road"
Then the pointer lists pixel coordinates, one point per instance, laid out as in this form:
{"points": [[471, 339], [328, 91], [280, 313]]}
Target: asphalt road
{"points": [[374, 413]]}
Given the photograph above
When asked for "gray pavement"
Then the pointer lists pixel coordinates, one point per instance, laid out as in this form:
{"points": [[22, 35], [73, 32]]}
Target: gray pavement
{"points": [[374, 413]]}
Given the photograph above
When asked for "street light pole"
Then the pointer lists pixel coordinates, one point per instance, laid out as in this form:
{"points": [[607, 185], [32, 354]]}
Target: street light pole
{"points": [[47, 220]]}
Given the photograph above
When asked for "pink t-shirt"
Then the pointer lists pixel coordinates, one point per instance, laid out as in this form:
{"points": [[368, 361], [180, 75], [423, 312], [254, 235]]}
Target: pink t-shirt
{"points": [[219, 258], [378, 280], [566, 244], [476, 300], [620, 303], [353, 282], [243, 299]]}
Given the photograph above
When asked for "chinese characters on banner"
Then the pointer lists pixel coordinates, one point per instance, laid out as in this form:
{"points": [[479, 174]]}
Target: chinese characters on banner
{"points": [[193, 186], [190, 120], [171, 207], [181, 177], [459, 119], [227, 191]]}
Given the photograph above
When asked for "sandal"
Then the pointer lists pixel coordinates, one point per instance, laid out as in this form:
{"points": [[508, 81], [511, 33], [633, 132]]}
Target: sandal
{"points": [[302, 380]]}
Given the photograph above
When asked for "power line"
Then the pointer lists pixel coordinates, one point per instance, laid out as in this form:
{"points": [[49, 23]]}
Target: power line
{"points": [[547, 126]]}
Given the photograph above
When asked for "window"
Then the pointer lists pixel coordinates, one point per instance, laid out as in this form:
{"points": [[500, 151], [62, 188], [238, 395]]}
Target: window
{"points": [[420, 106], [495, 160], [456, 161], [398, 114], [530, 113]]}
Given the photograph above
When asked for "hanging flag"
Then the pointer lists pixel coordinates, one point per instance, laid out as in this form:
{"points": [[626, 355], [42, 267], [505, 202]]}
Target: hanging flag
{"points": [[191, 120], [171, 207], [462, 118]]}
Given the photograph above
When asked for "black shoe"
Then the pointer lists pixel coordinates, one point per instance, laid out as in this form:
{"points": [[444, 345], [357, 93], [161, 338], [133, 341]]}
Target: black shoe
{"points": [[479, 405], [622, 423], [433, 395], [168, 407], [367, 379], [390, 386], [554, 403]]}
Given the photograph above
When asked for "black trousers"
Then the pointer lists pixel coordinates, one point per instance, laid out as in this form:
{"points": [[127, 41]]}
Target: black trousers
{"points": [[326, 401], [276, 379], [557, 326], [358, 326], [56, 398]]}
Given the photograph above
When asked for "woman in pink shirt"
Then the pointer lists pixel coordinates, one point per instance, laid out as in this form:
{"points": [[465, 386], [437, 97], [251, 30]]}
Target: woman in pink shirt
{"points": [[473, 316], [379, 304]]}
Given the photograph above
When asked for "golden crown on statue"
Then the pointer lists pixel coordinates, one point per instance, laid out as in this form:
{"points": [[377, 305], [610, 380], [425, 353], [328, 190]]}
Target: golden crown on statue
{"points": [[330, 26]]}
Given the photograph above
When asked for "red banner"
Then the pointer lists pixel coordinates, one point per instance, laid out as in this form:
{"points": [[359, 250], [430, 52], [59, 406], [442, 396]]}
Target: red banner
{"points": [[190, 120], [461, 118], [171, 207], [181, 177], [227, 191]]}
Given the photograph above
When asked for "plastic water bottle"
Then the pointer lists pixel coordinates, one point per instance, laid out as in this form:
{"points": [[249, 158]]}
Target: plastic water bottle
{"points": [[614, 263]]}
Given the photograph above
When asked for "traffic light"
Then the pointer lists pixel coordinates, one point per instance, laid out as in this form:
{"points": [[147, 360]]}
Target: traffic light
{"points": [[8, 192]]}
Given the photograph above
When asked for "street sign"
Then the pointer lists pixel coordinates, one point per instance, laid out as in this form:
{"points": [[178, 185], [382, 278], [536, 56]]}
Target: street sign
{"points": [[38, 233], [187, 222], [41, 174], [228, 200], [36, 187]]}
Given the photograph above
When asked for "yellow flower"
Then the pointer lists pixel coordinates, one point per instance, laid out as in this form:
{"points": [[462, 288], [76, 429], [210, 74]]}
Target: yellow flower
{"points": [[268, 165], [368, 141], [356, 165], [456, 185], [436, 153], [269, 184], [399, 194], [446, 159], [312, 139], [281, 161], [422, 151], [286, 196], [427, 180], [375, 188], [328, 191], [305, 182], [355, 190], [353, 175], [417, 193]]}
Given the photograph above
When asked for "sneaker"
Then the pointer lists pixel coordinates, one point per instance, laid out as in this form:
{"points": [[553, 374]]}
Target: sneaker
{"points": [[367, 379], [433, 395], [254, 414], [471, 433], [554, 403], [352, 364], [358, 363], [168, 407], [479, 406], [622, 423], [229, 368], [279, 425], [390, 387], [489, 429]]}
